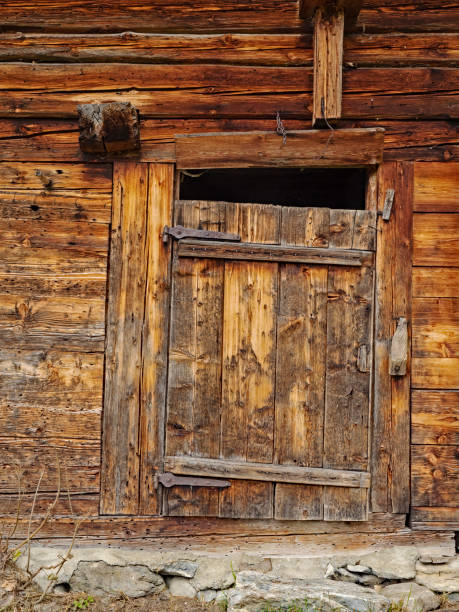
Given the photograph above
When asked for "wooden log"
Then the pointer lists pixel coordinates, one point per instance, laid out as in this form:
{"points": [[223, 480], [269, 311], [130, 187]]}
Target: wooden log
{"points": [[303, 148], [435, 373], [390, 49], [435, 239], [49, 176], [69, 505], [24, 461], [35, 140], [194, 466], [328, 66], [435, 518], [197, 16], [435, 417], [350, 8], [436, 188], [435, 282], [50, 206], [435, 475], [236, 91], [111, 128], [284, 254], [436, 327]]}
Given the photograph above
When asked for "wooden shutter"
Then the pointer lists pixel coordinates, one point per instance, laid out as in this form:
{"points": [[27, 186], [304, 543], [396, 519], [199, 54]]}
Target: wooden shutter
{"points": [[269, 362]]}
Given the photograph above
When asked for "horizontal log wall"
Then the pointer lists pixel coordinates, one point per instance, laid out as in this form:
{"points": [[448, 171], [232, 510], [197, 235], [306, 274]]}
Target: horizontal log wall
{"points": [[54, 221], [435, 347], [204, 66]]}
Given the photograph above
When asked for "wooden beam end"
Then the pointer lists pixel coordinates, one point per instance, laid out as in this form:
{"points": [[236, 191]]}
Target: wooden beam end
{"points": [[111, 128]]}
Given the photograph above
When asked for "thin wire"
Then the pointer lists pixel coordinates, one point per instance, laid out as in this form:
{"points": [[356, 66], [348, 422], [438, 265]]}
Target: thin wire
{"points": [[330, 127], [280, 129]]}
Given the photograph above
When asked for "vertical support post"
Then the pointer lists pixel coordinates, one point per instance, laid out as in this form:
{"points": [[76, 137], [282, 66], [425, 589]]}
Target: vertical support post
{"points": [[155, 335], [123, 362], [328, 67]]}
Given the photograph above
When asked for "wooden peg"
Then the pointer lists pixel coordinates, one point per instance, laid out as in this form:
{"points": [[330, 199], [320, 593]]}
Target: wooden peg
{"points": [[110, 128]]}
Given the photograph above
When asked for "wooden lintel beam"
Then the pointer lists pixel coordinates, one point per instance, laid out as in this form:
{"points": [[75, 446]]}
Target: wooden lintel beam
{"points": [[328, 67]]}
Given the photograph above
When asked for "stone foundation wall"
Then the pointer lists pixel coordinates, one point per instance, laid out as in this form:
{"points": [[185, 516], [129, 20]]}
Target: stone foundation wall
{"points": [[425, 578]]}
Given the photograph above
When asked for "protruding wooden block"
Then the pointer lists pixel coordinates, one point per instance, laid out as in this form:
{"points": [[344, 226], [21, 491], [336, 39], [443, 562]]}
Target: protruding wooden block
{"points": [[328, 67], [350, 8], [110, 128]]}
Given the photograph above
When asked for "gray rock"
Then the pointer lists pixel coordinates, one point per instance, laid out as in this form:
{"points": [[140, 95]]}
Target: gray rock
{"points": [[213, 573], [358, 569], [184, 568], [180, 587], [346, 576], [253, 592], [330, 571], [395, 563], [207, 596], [415, 598], [369, 579], [443, 578], [299, 567], [434, 558], [100, 578]]}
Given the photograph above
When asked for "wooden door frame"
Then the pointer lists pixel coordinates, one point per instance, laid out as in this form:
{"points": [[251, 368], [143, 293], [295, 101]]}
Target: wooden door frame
{"points": [[139, 279]]}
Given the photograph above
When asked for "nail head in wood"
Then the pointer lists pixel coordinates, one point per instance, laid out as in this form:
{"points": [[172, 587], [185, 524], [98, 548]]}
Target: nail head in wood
{"points": [[111, 128]]}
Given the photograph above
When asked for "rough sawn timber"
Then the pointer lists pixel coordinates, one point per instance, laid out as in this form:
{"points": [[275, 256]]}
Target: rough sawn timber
{"points": [[315, 148]]}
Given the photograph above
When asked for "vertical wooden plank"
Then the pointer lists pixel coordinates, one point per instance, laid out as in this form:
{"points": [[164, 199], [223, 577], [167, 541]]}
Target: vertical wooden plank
{"points": [[328, 67], [350, 296], [300, 380], [126, 301], [341, 228], [155, 335], [248, 378], [194, 399], [401, 273], [384, 327]]}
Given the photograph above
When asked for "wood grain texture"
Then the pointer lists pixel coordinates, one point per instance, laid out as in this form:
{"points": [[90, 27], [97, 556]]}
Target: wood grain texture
{"points": [[227, 16], [435, 373], [301, 342], [328, 66], [249, 361], [435, 475], [435, 417], [435, 282], [194, 395], [77, 460], [435, 239], [436, 327], [401, 263], [155, 334], [68, 505], [38, 139], [266, 149], [390, 49], [123, 367], [349, 315], [48, 176], [224, 91], [384, 328], [245, 470], [436, 187]]}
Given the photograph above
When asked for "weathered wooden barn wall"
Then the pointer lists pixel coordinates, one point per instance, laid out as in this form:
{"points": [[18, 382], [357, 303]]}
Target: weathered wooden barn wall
{"points": [[435, 377], [198, 67]]}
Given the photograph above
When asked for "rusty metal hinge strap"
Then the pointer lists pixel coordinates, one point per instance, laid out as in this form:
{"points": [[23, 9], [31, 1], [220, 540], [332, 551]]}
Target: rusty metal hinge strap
{"points": [[178, 232]]}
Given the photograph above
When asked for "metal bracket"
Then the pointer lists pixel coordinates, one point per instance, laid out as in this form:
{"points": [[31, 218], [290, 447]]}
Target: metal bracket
{"points": [[171, 480], [178, 232]]}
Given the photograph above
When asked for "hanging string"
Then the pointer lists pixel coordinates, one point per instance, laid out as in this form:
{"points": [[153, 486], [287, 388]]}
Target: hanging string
{"points": [[330, 127]]}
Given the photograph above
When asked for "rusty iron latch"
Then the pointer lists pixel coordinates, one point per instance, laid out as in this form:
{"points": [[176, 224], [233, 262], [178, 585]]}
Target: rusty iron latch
{"points": [[178, 232], [171, 480]]}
